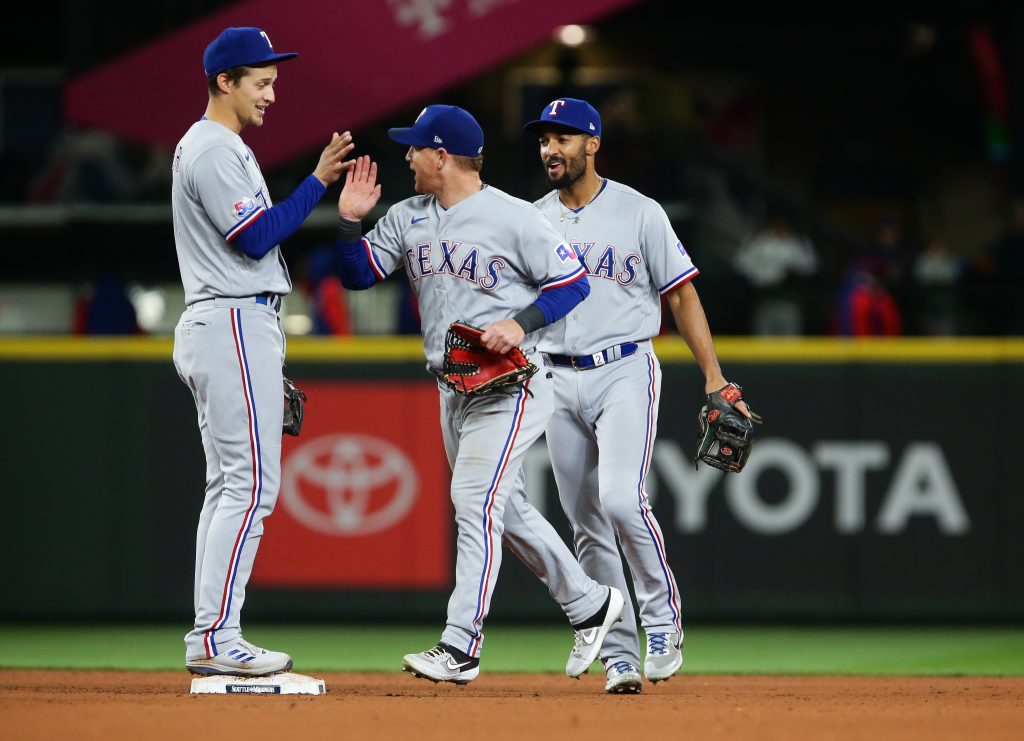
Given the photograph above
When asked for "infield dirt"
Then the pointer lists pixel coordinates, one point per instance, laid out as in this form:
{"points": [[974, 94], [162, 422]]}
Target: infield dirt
{"points": [[82, 706]]}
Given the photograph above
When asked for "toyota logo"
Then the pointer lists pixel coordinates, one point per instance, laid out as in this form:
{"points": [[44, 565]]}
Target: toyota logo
{"points": [[348, 484]]}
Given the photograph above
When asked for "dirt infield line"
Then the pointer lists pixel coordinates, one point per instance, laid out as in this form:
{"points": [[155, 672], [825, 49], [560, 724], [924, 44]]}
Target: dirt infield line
{"points": [[83, 706]]}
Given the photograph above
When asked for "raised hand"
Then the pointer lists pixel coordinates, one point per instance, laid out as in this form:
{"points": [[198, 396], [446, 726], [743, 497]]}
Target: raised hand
{"points": [[332, 159], [361, 191]]}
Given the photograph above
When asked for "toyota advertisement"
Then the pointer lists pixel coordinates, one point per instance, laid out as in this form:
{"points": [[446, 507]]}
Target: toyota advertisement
{"points": [[875, 490], [364, 493]]}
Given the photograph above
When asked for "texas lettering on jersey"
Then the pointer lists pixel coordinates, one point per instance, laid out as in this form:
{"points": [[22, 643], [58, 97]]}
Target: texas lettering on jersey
{"points": [[606, 263], [451, 258]]}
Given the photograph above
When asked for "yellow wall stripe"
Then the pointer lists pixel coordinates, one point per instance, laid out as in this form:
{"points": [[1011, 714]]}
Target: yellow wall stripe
{"points": [[670, 349]]}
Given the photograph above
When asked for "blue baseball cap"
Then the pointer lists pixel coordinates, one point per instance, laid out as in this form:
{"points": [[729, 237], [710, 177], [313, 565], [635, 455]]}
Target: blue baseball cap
{"points": [[445, 126], [572, 113], [237, 47]]}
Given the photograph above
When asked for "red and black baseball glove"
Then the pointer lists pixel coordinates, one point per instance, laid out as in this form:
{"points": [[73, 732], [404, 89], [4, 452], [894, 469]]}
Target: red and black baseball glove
{"points": [[473, 370], [725, 435]]}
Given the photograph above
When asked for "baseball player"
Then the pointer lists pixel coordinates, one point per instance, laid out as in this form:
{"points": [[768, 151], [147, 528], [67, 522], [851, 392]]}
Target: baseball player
{"points": [[608, 382], [475, 254], [228, 345]]}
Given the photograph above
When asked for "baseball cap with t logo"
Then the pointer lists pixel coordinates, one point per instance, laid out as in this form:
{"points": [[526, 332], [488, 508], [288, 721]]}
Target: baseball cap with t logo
{"points": [[571, 113], [241, 47]]}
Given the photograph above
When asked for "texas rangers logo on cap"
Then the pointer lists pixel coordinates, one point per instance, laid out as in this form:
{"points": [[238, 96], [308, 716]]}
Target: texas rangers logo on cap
{"points": [[244, 46], [571, 113]]}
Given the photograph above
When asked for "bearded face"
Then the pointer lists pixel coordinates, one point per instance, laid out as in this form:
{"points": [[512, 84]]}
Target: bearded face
{"points": [[564, 157], [564, 170]]}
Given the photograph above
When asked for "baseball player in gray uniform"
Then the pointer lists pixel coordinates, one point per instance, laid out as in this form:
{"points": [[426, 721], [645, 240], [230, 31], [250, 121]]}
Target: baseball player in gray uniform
{"points": [[475, 254], [608, 382], [228, 345]]}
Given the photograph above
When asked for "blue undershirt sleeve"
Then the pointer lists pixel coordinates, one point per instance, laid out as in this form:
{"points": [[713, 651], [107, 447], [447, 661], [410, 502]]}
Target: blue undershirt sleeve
{"points": [[554, 304], [354, 266], [280, 220]]}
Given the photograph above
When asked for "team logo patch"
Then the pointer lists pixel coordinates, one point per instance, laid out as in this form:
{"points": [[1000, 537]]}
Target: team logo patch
{"points": [[565, 252], [244, 207], [682, 250]]}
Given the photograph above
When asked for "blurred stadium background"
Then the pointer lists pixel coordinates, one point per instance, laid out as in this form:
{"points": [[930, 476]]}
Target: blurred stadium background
{"points": [[852, 188]]}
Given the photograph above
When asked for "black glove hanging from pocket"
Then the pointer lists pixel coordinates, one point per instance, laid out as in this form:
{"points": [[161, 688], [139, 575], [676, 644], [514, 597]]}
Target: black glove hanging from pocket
{"points": [[293, 401]]}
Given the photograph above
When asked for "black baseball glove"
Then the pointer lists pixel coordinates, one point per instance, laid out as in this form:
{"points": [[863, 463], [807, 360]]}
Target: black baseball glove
{"points": [[293, 401], [473, 370], [725, 434]]}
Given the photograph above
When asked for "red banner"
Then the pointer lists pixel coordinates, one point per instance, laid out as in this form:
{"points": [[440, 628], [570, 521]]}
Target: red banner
{"points": [[364, 497], [358, 61]]}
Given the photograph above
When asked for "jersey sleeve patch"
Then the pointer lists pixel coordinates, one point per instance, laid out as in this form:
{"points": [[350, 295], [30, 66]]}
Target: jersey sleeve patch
{"points": [[246, 211], [244, 207], [566, 253]]}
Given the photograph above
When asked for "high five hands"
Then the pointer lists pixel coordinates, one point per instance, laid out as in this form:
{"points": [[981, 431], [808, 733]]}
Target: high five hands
{"points": [[332, 160], [361, 191]]}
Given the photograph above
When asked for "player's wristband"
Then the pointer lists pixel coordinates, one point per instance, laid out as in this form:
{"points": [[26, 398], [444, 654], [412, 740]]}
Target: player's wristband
{"points": [[349, 231], [530, 319]]}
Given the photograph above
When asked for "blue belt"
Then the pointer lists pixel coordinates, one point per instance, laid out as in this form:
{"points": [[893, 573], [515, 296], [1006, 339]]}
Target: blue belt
{"points": [[270, 299], [267, 299], [585, 362]]}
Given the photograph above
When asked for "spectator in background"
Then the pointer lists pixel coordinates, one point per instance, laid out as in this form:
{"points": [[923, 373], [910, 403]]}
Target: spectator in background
{"points": [[105, 308], [936, 276], [865, 308], [328, 306], [777, 262], [887, 259]]}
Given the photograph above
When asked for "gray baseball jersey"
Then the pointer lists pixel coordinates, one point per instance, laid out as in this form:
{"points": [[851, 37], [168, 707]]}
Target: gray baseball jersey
{"points": [[602, 429], [631, 254], [217, 191], [480, 261], [229, 350], [483, 260]]}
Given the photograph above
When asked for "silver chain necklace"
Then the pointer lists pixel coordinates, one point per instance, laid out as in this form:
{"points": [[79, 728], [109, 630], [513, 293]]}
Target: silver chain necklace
{"points": [[574, 214]]}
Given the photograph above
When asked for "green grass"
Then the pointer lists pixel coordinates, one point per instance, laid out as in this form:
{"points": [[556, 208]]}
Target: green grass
{"points": [[961, 650]]}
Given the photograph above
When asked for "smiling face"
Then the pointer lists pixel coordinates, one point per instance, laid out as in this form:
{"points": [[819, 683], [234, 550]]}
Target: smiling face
{"points": [[564, 154], [251, 96]]}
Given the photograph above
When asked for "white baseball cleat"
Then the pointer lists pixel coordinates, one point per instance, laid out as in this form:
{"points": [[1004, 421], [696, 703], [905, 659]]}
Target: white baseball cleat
{"points": [[242, 659], [623, 679], [664, 655], [589, 639], [440, 664]]}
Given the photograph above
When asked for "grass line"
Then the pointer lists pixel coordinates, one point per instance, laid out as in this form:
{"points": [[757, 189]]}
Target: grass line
{"points": [[929, 650]]}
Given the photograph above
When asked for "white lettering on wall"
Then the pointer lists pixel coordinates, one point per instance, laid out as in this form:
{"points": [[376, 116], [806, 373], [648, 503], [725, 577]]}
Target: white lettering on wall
{"points": [[835, 472]]}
